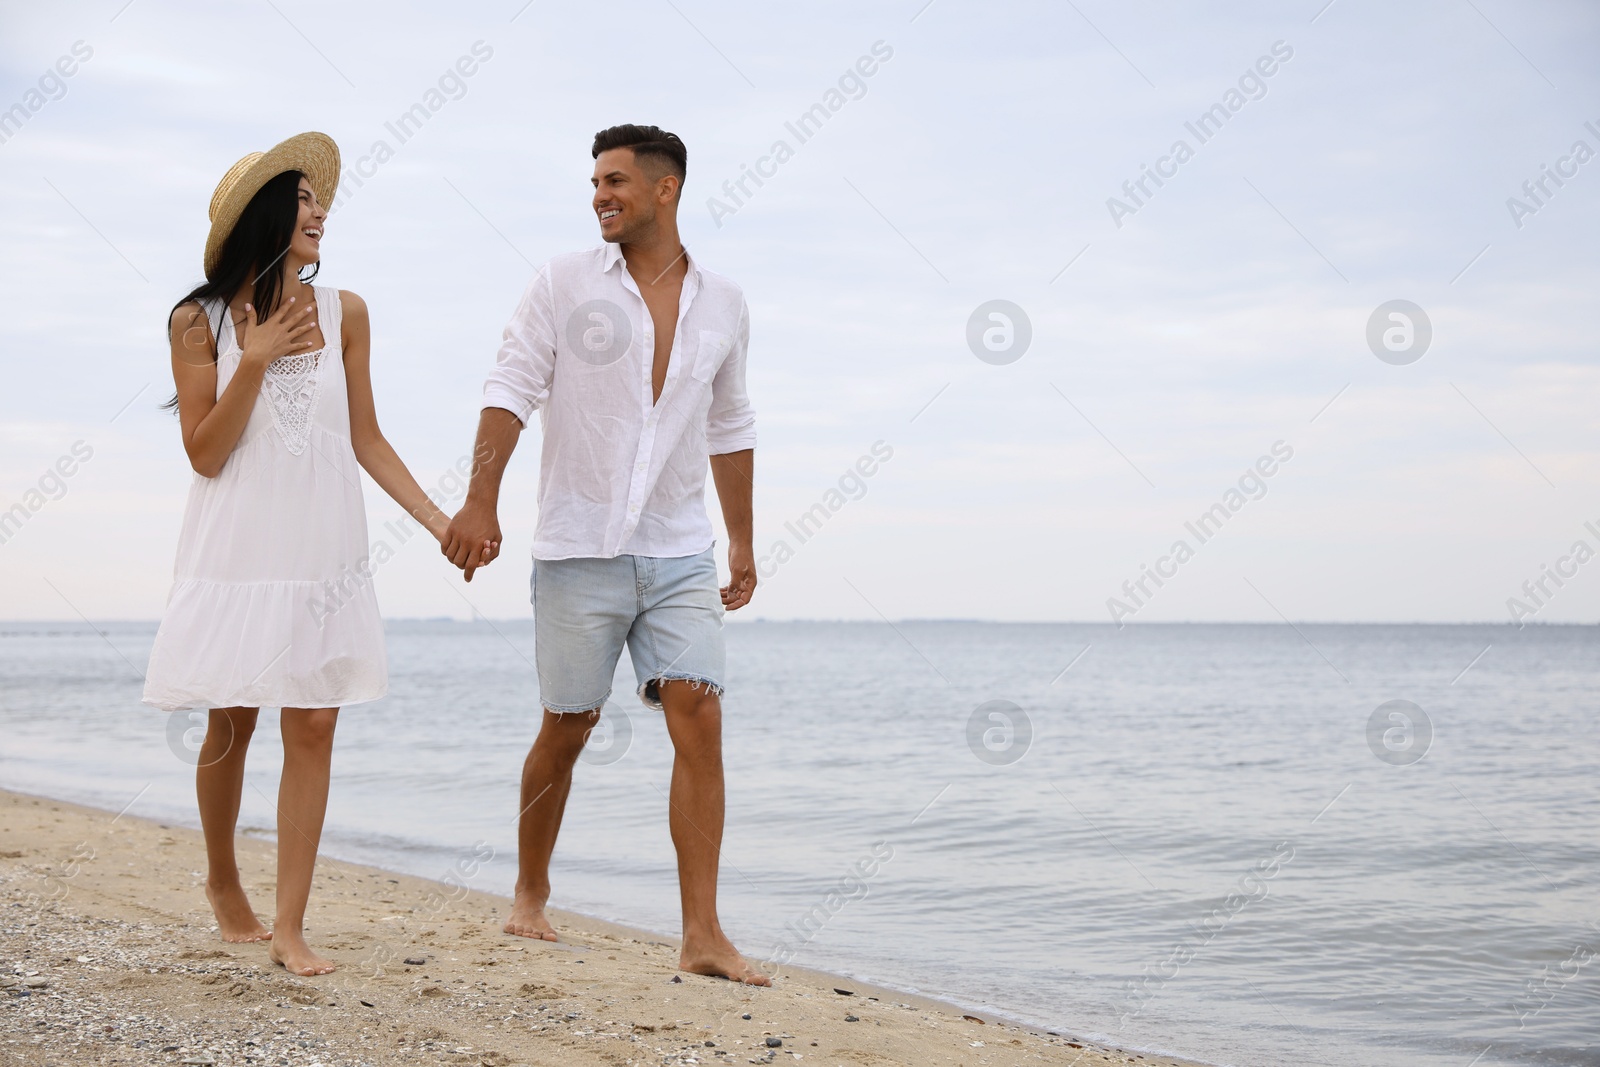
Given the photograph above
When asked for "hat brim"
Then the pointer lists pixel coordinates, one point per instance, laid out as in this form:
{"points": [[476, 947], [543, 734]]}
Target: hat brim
{"points": [[314, 155]]}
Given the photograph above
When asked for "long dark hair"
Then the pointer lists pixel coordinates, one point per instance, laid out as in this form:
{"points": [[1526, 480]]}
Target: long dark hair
{"points": [[257, 245]]}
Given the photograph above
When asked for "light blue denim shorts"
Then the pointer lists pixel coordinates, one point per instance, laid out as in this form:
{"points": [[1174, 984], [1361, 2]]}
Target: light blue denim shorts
{"points": [[668, 611]]}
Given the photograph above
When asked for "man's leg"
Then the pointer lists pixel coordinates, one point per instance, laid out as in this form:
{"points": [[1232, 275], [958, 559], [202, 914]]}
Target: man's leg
{"points": [[582, 609], [694, 722], [546, 780]]}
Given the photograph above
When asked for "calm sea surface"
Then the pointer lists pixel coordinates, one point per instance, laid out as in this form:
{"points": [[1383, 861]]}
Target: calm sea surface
{"points": [[1214, 840]]}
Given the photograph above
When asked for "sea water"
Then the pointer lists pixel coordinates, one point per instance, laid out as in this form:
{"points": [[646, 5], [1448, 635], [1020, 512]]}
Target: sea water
{"points": [[1247, 844]]}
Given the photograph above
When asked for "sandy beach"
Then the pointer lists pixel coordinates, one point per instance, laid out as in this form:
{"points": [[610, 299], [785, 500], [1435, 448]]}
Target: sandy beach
{"points": [[111, 957]]}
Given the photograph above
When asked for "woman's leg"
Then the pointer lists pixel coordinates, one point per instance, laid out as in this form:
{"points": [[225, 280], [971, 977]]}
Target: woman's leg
{"points": [[218, 781], [302, 802]]}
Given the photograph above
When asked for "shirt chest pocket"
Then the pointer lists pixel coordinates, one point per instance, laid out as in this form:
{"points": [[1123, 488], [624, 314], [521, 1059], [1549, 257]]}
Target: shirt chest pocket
{"points": [[709, 354]]}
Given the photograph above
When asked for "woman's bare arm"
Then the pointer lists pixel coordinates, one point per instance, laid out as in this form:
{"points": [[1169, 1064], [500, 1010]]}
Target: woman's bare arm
{"points": [[211, 424], [373, 451]]}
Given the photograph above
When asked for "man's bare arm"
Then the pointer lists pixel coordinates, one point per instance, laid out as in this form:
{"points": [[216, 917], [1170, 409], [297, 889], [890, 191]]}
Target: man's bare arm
{"points": [[734, 475], [472, 539]]}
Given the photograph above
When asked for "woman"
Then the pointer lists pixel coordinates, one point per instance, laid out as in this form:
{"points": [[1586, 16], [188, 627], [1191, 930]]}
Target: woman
{"points": [[272, 602]]}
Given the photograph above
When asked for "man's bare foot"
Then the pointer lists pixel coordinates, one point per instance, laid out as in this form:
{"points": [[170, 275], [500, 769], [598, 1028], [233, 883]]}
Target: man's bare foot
{"points": [[716, 956], [527, 919], [291, 952], [236, 921]]}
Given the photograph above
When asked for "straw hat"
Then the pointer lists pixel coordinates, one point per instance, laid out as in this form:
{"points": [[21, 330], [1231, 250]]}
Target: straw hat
{"points": [[312, 154]]}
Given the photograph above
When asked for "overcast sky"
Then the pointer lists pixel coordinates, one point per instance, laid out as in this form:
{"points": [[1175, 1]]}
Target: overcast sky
{"points": [[1175, 339]]}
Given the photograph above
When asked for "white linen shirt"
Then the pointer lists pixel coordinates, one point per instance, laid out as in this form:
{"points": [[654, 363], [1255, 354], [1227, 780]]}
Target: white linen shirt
{"points": [[618, 474]]}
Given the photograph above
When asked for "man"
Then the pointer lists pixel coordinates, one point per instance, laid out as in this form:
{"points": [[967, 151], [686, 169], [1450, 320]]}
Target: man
{"points": [[634, 356]]}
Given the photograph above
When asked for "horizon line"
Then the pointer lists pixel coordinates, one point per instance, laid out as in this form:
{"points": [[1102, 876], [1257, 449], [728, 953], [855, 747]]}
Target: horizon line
{"points": [[81, 621]]}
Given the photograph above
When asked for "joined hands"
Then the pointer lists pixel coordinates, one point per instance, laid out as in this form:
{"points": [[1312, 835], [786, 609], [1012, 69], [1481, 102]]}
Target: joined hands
{"points": [[472, 539]]}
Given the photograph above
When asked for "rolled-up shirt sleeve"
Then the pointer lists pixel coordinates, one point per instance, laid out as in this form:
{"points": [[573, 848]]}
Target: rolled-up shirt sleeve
{"points": [[731, 422], [520, 381]]}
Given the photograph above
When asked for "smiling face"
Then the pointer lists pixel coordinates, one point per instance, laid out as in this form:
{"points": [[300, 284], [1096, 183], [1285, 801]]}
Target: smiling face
{"points": [[627, 200], [305, 247]]}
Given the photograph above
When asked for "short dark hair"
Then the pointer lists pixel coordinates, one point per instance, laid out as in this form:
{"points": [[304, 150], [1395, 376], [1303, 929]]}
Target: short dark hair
{"points": [[648, 143]]}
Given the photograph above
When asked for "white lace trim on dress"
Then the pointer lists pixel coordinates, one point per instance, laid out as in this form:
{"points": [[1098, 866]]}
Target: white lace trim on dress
{"points": [[292, 385]]}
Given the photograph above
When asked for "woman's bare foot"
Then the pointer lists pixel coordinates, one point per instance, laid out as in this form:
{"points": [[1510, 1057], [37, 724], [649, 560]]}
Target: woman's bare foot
{"points": [[291, 952], [716, 956], [528, 920], [236, 920]]}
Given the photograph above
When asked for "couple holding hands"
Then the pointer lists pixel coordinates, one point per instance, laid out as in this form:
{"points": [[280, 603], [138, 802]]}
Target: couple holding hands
{"points": [[634, 356]]}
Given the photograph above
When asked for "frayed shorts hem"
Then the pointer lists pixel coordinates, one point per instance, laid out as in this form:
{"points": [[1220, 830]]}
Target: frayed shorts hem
{"points": [[578, 709], [649, 690]]}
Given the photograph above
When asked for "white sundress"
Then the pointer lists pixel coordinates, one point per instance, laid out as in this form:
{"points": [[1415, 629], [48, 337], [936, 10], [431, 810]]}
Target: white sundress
{"points": [[272, 602]]}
